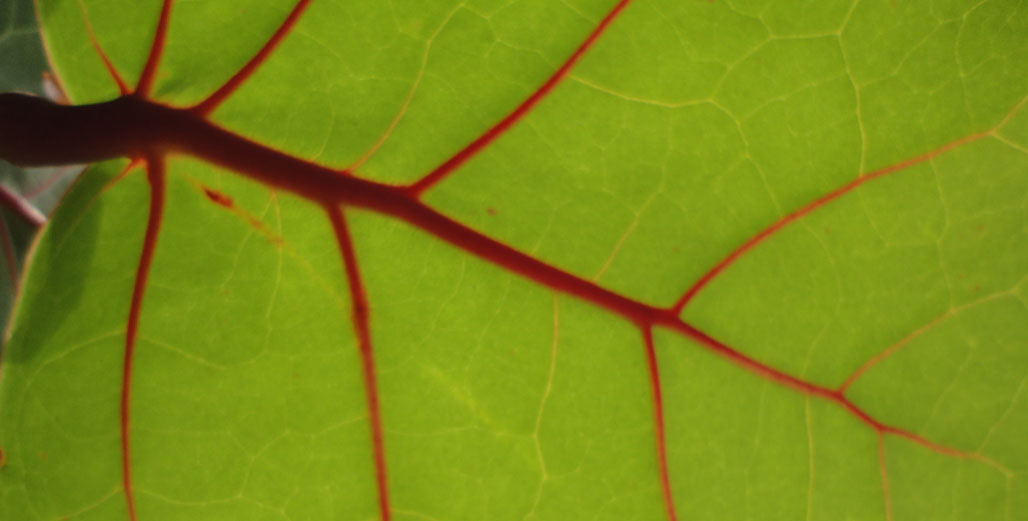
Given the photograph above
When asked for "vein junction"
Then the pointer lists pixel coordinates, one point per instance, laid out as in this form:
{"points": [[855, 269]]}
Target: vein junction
{"points": [[37, 132]]}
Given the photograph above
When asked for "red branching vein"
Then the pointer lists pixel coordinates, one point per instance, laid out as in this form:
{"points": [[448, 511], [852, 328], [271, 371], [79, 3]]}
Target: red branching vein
{"points": [[134, 126], [658, 422], [131, 126], [160, 38], [903, 342], [155, 174], [212, 102], [361, 316], [111, 70], [506, 123], [769, 373], [885, 477], [810, 207]]}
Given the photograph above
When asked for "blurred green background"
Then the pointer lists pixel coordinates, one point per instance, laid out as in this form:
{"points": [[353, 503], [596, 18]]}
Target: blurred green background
{"points": [[23, 68]]}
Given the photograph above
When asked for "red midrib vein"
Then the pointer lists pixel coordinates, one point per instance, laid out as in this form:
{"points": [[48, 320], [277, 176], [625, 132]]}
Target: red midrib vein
{"points": [[131, 127], [360, 316]]}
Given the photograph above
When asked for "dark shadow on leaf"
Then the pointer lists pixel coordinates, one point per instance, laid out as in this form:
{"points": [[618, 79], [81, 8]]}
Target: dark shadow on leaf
{"points": [[61, 260]]}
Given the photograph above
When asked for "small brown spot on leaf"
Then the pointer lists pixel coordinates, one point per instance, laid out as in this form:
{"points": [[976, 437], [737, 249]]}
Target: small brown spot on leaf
{"points": [[218, 197], [226, 202]]}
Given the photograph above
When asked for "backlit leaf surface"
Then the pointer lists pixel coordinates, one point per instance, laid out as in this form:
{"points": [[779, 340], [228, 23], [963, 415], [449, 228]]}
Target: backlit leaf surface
{"points": [[863, 355]]}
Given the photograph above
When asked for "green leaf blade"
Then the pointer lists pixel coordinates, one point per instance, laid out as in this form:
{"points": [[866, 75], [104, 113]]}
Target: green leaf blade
{"points": [[685, 132]]}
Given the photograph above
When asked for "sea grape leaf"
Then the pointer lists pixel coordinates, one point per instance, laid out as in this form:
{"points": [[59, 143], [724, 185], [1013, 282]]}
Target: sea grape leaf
{"points": [[874, 358]]}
